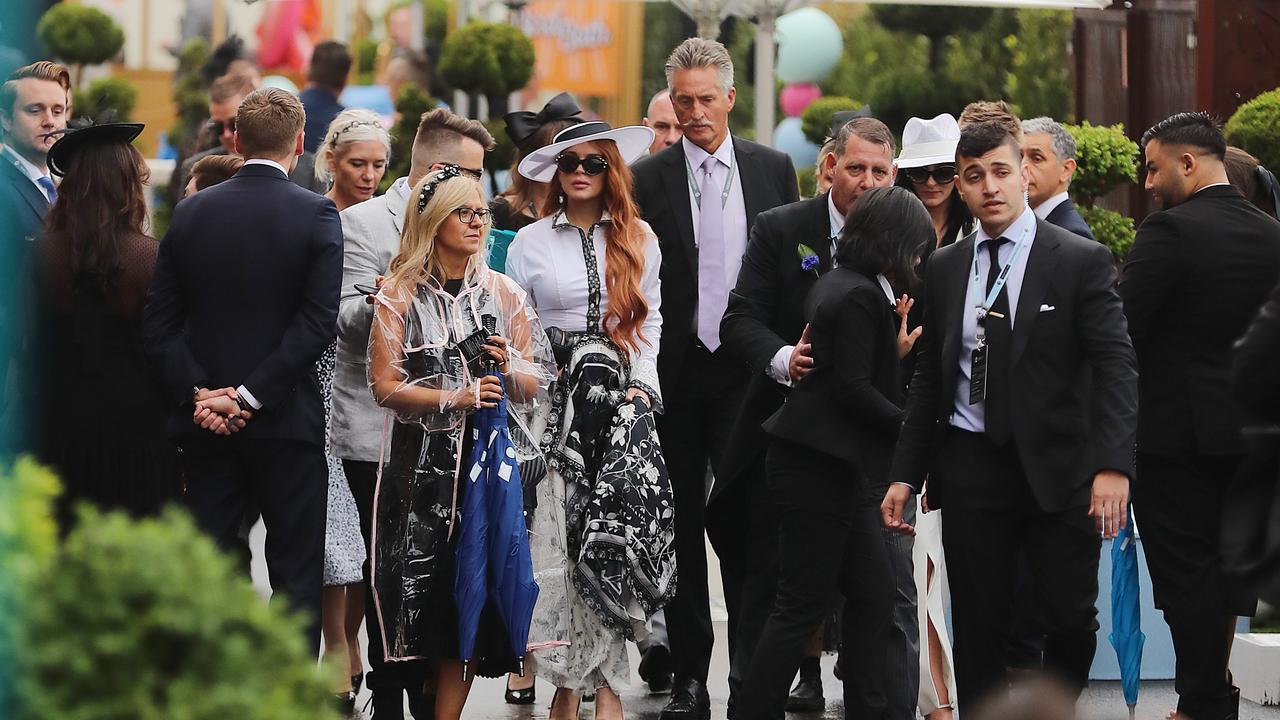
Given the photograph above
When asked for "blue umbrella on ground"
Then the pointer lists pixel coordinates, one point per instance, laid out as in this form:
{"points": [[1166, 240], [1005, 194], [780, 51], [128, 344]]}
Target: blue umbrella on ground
{"points": [[511, 583], [471, 581], [1126, 612]]}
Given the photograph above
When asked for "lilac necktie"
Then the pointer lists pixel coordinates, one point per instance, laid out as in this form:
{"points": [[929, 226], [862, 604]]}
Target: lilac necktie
{"points": [[713, 296]]}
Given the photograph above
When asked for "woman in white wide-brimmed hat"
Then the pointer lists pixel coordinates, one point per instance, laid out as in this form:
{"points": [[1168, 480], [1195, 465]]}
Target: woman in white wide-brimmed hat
{"points": [[590, 267], [927, 167]]}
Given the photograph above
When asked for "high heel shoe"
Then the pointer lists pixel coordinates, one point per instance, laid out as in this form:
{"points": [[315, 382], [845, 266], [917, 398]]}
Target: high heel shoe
{"points": [[521, 696], [357, 681]]}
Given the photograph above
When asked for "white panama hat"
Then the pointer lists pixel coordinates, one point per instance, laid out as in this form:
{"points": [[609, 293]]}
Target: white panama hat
{"points": [[633, 142], [929, 142]]}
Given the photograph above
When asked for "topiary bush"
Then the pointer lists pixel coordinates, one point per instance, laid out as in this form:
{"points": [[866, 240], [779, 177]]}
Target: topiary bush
{"points": [[1111, 229], [1255, 127], [1105, 159], [147, 619], [816, 119], [79, 35], [114, 95], [490, 59]]}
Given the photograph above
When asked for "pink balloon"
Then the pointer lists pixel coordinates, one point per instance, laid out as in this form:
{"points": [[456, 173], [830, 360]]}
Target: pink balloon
{"points": [[795, 98]]}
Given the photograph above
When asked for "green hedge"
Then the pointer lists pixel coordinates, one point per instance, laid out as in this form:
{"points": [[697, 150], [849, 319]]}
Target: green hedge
{"points": [[1110, 228], [1255, 127], [106, 95], [1105, 159], [816, 119]]}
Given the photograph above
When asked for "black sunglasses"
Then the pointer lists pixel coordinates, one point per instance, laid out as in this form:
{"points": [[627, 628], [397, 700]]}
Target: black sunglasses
{"points": [[591, 164], [217, 127], [942, 174]]}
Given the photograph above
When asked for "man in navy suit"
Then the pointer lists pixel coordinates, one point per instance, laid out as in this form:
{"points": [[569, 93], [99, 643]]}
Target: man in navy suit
{"points": [[243, 302], [1049, 152], [34, 103]]}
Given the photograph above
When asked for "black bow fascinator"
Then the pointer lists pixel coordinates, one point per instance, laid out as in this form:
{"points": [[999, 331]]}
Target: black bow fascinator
{"points": [[429, 189], [840, 119], [82, 133], [523, 125]]}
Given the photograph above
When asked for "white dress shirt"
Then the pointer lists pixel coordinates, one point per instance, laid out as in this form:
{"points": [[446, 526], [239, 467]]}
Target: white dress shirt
{"points": [[778, 366], [26, 168], [1043, 209], [735, 209], [973, 417], [546, 259]]}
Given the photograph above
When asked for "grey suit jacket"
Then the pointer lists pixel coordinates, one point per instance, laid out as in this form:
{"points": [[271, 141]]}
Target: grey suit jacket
{"points": [[371, 237]]}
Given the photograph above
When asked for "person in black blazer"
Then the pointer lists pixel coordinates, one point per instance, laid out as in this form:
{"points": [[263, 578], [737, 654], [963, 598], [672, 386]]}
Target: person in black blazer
{"points": [[1050, 155], [35, 102], [243, 302], [1037, 458], [704, 383], [1198, 272], [832, 437], [764, 328]]}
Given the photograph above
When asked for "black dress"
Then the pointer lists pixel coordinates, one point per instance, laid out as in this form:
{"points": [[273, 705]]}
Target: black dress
{"points": [[506, 217], [101, 409]]}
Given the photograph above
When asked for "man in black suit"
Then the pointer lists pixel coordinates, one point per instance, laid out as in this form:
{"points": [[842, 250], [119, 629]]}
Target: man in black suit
{"points": [[243, 302], [701, 196], [1198, 273], [764, 328], [1022, 414], [1049, 152], [34, 102]]}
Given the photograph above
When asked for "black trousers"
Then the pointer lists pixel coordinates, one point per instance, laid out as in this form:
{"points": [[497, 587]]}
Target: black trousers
{"points": [[902, 673], [752, 504], [391, 678], [829, 538], [700, 411], [289, 483], [990, 516], [1178, 506]]}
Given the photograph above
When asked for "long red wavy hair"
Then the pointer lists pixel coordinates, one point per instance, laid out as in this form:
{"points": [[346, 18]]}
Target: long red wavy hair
{"points": [[623, 251]]}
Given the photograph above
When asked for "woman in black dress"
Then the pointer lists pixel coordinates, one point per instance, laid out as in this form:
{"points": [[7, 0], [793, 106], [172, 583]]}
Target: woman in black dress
{"points": [[833, 436], [92, 267]]}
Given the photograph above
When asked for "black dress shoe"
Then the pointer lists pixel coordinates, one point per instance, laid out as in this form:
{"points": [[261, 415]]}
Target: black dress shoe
{"points": [[807, 696], [689, 701], [346, 703], [521, 696], [655, 668]]}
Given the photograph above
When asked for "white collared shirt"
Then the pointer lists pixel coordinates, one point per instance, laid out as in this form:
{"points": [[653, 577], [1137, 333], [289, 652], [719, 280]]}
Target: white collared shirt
{"points": [[1043, 209], [270, 163], [27, 168], [735, 208], [973, 417]]}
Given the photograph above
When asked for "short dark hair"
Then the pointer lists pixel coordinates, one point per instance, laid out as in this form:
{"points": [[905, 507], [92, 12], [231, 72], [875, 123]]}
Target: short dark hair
{"points": [[981, 138], [1197, 129], [887, 227], [864, 128], [330, 64]]}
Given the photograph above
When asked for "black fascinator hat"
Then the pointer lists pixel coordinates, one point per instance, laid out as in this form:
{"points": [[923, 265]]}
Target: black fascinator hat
{"points": [[75, 139]]}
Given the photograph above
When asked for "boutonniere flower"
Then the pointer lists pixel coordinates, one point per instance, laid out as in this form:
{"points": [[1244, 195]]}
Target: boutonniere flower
{"points": [[808, 258]]}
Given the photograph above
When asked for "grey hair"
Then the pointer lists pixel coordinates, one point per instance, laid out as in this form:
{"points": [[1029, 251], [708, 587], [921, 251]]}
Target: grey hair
{"points": [[350, 126], [1064, 145], [697, 53]]}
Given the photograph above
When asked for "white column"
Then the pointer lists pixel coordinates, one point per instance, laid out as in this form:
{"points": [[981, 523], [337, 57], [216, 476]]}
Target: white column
{"points": [[765, 95]]}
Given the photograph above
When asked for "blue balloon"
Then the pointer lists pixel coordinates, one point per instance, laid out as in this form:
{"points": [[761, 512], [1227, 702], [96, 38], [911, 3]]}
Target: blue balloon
{"points": [[809, 45], [789, 138]]}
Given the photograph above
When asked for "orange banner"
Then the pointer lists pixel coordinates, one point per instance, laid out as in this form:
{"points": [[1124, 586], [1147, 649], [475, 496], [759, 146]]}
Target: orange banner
{"points": [[579, 45]]}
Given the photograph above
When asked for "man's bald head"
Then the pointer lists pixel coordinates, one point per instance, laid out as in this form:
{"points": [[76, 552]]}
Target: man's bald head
{"points": [[661, 116]]}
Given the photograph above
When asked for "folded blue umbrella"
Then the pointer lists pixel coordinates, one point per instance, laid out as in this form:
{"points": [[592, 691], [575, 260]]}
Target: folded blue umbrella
{"points": [[471, 585], [1126, 612]]}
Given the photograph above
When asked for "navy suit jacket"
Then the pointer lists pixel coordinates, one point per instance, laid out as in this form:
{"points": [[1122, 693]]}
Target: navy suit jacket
{"points": [[245, 292], [1067, 217]]}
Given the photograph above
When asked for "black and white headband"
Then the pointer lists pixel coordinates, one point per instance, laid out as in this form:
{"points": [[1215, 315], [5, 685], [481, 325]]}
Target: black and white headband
{"points": [[429, 189]]}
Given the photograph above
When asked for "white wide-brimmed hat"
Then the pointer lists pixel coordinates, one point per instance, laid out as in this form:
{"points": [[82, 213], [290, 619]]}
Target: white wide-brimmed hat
{"points": [[633, 141], [929, 142]]}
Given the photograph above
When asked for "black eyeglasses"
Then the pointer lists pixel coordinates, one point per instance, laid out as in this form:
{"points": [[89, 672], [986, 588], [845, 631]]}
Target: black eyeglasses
{"points": [[217, 127], [591, 164], [466, 214], [942, 174], [476, 173]]}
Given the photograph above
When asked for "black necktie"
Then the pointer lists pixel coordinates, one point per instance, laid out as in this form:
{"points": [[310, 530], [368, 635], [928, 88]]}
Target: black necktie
{"points": [[998, 333]]}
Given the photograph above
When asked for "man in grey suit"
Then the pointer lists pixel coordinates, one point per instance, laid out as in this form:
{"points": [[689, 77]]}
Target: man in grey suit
{"points": [[371, 235]]}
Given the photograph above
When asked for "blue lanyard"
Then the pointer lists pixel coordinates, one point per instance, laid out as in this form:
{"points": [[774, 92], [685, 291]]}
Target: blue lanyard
{"points": [[985, 306]]}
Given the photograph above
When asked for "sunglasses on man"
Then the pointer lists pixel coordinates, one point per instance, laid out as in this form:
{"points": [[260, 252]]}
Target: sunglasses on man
{"points": [[592, 164], [941, 174], [218, 127]]}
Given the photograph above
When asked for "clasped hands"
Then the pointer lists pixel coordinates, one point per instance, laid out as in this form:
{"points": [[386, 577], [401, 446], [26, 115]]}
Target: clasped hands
{"points": [[219, 412]]}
